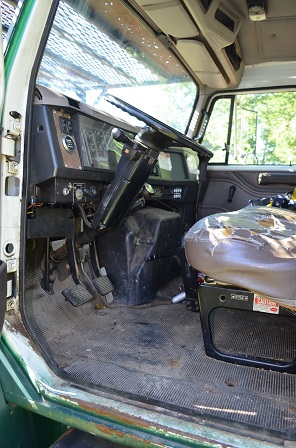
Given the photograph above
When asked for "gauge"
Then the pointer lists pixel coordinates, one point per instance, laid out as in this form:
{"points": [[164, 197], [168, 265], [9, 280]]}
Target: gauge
{"points": [[68, 143]]}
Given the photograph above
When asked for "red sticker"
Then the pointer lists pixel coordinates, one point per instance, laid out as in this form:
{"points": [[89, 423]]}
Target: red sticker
{"points": [[265, 305]]}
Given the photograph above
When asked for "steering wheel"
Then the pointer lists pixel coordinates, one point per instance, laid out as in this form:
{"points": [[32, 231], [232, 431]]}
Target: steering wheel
{"points": [[172, 135]]}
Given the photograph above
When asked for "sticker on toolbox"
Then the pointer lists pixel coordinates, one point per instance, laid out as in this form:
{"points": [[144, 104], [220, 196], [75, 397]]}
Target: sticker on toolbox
{"points": [[264, 305]]}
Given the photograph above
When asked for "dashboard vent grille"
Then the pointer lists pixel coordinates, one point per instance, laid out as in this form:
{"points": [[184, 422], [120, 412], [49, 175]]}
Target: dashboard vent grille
{"points": [[72, 102]]}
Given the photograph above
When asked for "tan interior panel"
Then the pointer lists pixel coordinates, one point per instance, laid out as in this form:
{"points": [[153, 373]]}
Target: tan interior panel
{"points": [[219, 34], [172, 19], [199, 59], [276, 38]]}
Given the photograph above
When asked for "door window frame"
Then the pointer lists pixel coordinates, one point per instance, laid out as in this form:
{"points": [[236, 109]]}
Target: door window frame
{"points": [[232, 95]]}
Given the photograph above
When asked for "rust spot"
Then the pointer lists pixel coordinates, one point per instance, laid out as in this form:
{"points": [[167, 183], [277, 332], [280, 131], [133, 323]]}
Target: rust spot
{"points": [[109, 431], [174, 362], [115, 415], [114, 433], [137, 422]]}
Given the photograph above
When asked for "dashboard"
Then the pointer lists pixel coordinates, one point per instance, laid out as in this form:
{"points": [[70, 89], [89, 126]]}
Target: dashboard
{"points": [[74, 155], [96, 144]]}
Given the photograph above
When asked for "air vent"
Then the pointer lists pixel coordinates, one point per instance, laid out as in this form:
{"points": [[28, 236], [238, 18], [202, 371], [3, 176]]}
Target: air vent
{"points": [[216, 39], [224, 19], [234, 57], [73, 103], [205, 4]]}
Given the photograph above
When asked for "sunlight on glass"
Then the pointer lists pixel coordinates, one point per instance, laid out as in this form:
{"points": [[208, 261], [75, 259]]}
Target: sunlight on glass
{"points": [[118, 56], [262, 132]]}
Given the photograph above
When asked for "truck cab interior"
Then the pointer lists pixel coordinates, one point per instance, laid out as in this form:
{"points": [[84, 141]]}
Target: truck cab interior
{"points": [[155, 265]]}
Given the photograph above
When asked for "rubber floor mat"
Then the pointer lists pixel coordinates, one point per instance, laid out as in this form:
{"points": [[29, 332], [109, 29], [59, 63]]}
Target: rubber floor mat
{"points": [[155, 354]]}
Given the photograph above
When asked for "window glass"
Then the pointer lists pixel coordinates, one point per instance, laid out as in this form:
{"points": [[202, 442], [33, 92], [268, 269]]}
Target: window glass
{"points": [[216, 134], [9, 11], [263, 129], [96, 48]]}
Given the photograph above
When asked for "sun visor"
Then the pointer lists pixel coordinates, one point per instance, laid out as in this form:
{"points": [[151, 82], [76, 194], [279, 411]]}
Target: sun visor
{"points": [[172, 19], [200, 61]]}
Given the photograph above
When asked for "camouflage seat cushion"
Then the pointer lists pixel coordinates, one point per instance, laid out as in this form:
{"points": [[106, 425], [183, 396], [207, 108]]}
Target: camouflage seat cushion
{"points": [[253, 248]]}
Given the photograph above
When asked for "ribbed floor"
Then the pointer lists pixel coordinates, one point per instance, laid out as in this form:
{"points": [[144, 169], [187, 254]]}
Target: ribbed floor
{"points": [[156, 353]]}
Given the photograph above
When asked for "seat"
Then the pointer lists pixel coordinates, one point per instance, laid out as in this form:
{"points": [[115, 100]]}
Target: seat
{"points": [[251, 256]]}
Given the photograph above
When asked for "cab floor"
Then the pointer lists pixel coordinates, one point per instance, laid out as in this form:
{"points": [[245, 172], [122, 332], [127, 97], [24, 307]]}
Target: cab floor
{"points": [[155, 354]]}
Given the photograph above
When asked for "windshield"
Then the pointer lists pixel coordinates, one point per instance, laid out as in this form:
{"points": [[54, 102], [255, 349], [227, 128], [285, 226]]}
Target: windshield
{"points": [[96, 48], [9, 12]]}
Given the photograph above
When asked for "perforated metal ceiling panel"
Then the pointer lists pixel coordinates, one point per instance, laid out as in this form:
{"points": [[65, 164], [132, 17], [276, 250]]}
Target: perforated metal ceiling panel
{"points": [[7, 13]]}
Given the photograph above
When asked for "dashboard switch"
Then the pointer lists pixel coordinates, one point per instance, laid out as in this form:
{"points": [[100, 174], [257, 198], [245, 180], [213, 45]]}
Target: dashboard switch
{"points": [[92, 192], [79, 194]]}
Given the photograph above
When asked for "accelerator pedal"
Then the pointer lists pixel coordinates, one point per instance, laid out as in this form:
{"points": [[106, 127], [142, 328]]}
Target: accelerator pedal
{"points": [[104, 285], [77, 295]]}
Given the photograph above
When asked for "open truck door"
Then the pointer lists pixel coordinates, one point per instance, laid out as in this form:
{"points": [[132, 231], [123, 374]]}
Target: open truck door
{"points": [[3, 292], [3, 269], [99, 187]]}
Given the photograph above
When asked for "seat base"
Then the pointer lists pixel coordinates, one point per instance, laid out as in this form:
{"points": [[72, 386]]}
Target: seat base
{"points": [[242, 327]]}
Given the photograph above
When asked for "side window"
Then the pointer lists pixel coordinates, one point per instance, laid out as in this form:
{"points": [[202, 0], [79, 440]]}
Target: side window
{"points": [[261, 129], [217, 134]]}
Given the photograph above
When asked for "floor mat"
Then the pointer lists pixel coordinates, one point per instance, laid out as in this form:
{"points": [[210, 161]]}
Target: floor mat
{"points": [[156, 353]]}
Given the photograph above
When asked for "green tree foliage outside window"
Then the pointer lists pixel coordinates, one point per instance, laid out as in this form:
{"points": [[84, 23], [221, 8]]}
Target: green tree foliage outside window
{"points": [[263, 129]]}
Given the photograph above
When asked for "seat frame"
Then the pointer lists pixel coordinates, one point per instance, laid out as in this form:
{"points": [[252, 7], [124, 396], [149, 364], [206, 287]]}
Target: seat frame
{"points": [[213, 297]]}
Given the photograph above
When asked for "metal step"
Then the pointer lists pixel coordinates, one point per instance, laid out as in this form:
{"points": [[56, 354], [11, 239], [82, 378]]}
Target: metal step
{"points": [[73, 438]]}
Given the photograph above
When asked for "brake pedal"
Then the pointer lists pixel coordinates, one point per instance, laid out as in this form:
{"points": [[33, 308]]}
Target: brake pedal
{"points": [[77, 295], [104, 285]]}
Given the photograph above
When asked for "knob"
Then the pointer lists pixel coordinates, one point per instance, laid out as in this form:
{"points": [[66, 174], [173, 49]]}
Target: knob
{"points": [[120, 136], [79, 194]]}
